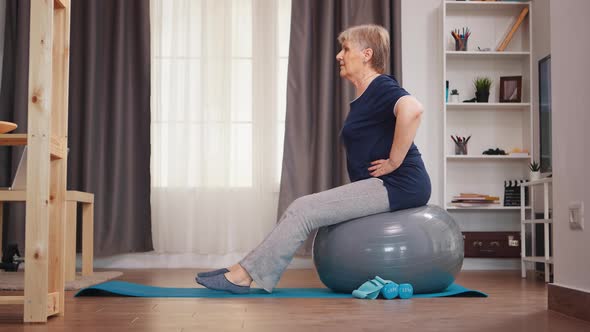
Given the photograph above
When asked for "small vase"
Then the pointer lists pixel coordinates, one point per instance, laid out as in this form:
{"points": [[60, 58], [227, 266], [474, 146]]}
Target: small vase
{"points": [[454, 99], [535, 176], [482, 96]]}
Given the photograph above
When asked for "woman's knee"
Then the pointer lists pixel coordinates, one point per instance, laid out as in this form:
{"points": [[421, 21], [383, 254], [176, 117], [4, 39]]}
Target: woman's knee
{"points": [[299, 213], [301, 204]]}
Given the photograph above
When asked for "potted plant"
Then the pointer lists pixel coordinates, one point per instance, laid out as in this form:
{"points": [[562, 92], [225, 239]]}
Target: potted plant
{"points": [[454, 96], [535, 171], [482, 89]]}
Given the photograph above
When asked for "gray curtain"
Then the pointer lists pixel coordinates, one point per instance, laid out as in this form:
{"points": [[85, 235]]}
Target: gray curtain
{"points": [[13, 107], [109, 116], [109, 119], [317, 98]]}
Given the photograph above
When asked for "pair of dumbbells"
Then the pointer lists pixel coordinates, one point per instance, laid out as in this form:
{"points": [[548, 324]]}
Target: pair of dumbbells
{"points": [[392, 290]]}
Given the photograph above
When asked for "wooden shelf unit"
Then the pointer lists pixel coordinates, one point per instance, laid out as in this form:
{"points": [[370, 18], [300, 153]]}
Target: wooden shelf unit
{"points": [[58, 146], [46, 140]]}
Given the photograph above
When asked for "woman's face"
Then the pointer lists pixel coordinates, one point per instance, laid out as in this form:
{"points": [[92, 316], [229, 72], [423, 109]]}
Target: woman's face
{"points": [[351, 59]]}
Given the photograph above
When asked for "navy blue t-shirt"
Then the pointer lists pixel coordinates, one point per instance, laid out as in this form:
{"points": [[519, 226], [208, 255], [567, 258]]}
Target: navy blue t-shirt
{"points": [[368, 135]]}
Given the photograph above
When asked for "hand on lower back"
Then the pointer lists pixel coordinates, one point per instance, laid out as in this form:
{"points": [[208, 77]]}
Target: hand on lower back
{"points": [[381, 167]]}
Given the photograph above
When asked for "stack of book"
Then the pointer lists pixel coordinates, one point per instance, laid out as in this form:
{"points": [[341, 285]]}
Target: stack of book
{"points": [[475, 200]]}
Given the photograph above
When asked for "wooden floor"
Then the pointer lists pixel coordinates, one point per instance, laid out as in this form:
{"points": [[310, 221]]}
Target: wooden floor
{"points": [[514, 305]]}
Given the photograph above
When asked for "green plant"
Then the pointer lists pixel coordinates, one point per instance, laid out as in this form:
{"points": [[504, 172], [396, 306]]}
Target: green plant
{"points": [[482, 83], [534, 166], [454, 92]]}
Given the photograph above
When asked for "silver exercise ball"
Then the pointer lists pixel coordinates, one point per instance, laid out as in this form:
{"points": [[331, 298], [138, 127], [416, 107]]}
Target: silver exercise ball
{"points": [[421, 246]]}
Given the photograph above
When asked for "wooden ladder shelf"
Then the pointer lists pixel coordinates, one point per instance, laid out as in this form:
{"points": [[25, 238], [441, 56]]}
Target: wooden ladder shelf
{"points": [[46, 139]]}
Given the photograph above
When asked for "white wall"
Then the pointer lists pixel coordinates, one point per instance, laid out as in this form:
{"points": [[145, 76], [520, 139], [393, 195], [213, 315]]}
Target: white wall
{"points": [[570, 72], [422, 77]]}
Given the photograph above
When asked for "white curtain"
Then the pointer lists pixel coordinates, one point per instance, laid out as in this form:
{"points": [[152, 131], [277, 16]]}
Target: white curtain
{"points": [[219, 70]]}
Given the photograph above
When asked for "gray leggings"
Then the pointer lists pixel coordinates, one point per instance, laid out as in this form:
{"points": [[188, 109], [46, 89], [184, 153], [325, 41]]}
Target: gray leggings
{"points": [[266, 263]]}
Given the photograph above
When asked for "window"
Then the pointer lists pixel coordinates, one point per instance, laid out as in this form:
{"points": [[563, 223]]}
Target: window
{"points": [[219, 71]]}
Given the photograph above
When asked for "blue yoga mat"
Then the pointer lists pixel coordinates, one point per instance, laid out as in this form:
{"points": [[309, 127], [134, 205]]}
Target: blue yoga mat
{"points": [[122, 288]]}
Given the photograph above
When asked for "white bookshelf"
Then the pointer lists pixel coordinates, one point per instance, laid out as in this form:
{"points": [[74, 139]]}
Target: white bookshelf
{"points": [[488, 106], [486, 54], [475, 208], [487, 157], [485, 5], [491, 125]]}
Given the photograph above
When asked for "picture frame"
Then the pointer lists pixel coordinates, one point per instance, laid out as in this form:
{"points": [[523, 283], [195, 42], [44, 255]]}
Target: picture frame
{"points": [[511, 89]]}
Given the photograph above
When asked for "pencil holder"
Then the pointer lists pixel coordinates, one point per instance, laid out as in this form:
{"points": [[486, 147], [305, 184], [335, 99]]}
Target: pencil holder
{"points": [[460, 148], [461, 44]]}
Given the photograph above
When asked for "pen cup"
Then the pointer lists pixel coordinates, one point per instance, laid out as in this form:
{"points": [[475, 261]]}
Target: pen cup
{"points": [[461, 148], [461, 44]]}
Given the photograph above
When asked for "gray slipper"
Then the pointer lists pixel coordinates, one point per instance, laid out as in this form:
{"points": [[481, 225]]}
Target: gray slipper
{"points": [[212, 273], [220, 282]]}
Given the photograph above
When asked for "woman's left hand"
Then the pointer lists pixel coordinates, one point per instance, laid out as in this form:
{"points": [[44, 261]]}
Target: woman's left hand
{"points": [[381, 167]]}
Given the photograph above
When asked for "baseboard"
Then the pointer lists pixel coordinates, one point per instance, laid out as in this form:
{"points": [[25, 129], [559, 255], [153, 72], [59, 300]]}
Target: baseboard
{"points": [[570, 302]]}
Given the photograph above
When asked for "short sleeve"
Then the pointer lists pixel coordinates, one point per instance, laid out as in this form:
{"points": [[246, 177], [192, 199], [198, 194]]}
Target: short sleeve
{"points": [[398, 91], [394, 93]]}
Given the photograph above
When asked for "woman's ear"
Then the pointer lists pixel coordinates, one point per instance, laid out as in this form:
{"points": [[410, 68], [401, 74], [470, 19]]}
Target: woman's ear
{"points": [[368, 54]]}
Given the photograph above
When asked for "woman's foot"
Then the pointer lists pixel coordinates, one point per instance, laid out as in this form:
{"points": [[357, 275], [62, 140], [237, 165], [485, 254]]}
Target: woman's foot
{"points": [[212, 273], [220, 282], [235, 267], [236, 281], [237, 275]]}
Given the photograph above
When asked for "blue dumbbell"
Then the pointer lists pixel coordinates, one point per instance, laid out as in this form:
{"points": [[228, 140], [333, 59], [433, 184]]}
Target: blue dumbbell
{"points": [[405, 291], [390, 290]]}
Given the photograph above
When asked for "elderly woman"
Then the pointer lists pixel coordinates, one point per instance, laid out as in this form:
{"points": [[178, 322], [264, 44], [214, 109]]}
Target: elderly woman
{"points": [[384, 165]]}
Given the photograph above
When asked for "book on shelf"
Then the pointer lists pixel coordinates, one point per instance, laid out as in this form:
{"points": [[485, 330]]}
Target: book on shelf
{"points": [[476, 197], [474, 200], [475, 205]]}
